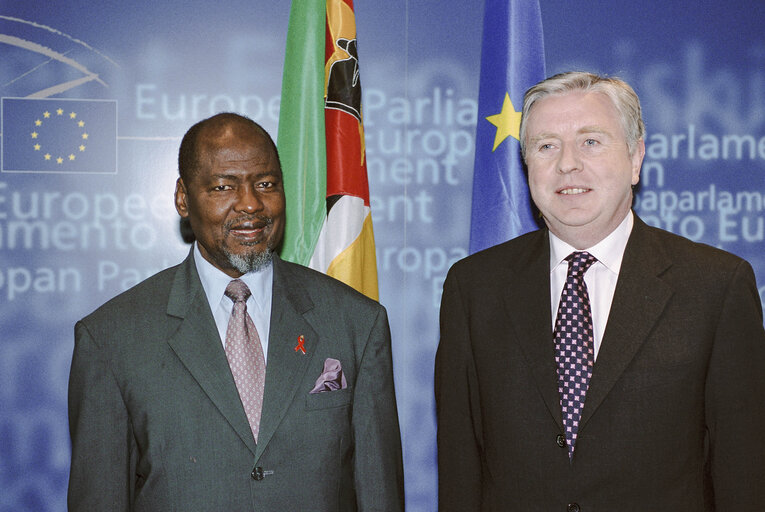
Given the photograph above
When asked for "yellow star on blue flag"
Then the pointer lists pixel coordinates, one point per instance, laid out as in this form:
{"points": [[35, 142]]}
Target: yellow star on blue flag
{"points": [[508, 122], [512, 60]]}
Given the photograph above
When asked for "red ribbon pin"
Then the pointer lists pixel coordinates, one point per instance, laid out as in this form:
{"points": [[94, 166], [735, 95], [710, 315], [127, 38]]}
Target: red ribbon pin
{"points": [[301, 344]]}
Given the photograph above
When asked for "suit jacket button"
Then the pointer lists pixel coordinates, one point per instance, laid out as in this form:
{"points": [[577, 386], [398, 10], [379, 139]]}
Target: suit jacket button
{"points": [[257, 474], [573, 507], [561, 440]]}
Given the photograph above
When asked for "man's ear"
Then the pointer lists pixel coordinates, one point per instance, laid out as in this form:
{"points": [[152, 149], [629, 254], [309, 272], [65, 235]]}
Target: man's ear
{"points": [[637, 161], [180, 198]]}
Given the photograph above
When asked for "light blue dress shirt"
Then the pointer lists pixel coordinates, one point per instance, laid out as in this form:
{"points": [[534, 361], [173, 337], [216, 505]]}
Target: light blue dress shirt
{"points": [[215, 281]]}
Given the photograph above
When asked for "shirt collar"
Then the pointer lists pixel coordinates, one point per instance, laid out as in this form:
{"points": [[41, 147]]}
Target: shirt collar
{"points": [[215, 281], [608, 251]]}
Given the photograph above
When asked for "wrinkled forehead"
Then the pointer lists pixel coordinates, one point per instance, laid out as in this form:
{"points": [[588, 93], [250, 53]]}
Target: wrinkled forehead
{"points": [[236, 141]]}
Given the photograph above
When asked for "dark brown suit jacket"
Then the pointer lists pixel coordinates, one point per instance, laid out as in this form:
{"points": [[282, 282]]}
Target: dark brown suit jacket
{"points": [[675, 413]]}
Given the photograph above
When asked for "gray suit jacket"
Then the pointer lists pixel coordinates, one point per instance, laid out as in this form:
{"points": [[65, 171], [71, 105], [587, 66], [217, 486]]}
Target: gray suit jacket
{"points": [[675, 410], [156, 421]]}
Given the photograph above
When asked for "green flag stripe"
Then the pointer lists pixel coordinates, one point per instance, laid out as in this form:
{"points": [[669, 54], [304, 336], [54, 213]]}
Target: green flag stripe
{"points": [[301, 140]]}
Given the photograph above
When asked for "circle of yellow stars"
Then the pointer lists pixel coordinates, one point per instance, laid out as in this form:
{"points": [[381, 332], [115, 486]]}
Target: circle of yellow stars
{"points": [[49, 116]]}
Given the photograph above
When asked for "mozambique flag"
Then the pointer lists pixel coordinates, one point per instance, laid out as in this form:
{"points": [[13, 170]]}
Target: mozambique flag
{"points": [[321, 146], [512, 60]]}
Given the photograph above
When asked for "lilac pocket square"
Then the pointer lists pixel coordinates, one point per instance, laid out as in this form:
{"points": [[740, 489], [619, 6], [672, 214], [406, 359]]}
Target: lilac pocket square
{"points": [[331, 379]]}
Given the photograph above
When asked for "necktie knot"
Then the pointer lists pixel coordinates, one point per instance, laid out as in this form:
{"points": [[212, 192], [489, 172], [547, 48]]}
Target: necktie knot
{"points": [[579, 262], [237, 291]]}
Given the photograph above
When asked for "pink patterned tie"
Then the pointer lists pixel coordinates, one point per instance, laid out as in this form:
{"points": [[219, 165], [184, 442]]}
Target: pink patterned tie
{"points": [[245, 355], [574, 344]]}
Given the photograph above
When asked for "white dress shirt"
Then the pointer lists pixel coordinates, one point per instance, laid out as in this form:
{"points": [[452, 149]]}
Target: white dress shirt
{"points": [[600, 278], [215, 281]]}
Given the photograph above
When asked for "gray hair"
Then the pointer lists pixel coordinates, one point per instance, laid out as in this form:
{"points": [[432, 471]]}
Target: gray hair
{"points": [[621, 94]]}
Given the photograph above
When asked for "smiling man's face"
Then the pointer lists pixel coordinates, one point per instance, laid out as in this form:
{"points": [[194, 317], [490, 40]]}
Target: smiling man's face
{"points": [[234, 200], [580, 168]]}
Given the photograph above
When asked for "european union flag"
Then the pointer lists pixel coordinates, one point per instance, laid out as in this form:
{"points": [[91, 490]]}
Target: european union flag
{"points": [[512, 60], [59, 135]]}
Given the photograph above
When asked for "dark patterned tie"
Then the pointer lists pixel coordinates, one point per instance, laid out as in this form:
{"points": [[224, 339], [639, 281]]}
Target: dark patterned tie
{"points": [[574, 344], [245, 355]]}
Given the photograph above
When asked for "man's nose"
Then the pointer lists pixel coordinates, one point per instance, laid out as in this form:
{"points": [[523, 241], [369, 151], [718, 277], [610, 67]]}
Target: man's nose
{"points": [[248, 200], [569, 160]]}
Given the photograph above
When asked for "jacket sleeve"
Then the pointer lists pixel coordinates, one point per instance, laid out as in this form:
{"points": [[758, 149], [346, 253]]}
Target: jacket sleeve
{"points": [[378, 467], [735, 398], [457, 406], [102, 470]]}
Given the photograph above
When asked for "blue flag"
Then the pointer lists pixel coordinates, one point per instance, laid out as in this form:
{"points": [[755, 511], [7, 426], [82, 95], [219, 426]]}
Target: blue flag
{"points": [[512, 60], [59, 135]]}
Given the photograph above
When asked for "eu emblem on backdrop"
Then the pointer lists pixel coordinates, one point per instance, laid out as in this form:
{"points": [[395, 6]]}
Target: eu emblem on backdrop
{"points": [[59, 136]]}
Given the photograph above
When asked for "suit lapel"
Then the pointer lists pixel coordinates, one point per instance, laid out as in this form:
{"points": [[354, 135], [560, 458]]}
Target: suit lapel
{"points": [[639, 299], [195, 340], [286, 362], [528, 306]]}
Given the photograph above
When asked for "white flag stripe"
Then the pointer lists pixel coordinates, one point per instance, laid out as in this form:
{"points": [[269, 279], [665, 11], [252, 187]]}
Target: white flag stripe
{"points": [[341, 227]]}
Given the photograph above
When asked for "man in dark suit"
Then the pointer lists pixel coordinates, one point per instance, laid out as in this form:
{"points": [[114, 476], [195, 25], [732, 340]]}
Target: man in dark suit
{"points": [[637, 387], [170, 407]]}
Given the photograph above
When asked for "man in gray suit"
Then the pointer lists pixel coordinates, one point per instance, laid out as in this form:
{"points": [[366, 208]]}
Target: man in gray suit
{"points": [[184, 396], [599, 364]]}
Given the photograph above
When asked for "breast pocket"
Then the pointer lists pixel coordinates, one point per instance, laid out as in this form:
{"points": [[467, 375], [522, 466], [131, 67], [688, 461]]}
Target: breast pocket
{"points": [[657, 377], [329, 399]]}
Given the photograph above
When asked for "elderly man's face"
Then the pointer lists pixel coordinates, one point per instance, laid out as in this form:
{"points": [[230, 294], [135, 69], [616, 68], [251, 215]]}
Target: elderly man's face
{"points": [[580, 170], [235, 200]]}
